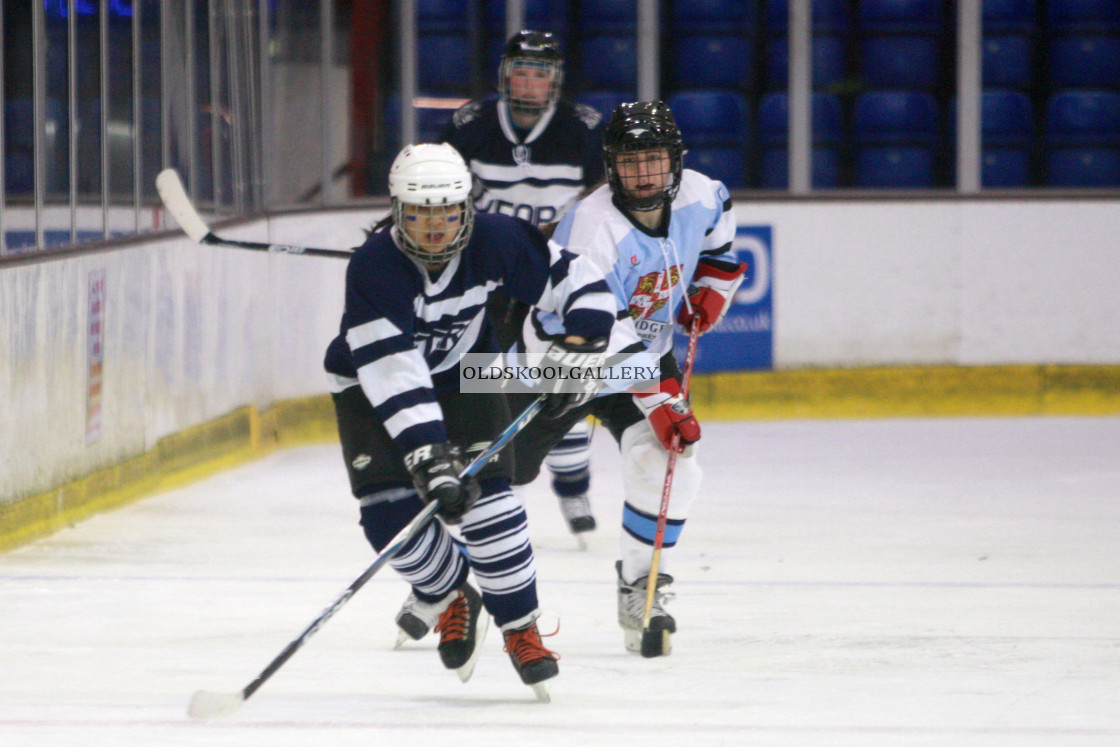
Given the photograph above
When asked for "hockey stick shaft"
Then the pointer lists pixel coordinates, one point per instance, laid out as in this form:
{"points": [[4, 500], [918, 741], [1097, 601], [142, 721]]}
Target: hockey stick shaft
{"points": [[667, 487], [209, 705], [175, 199]]}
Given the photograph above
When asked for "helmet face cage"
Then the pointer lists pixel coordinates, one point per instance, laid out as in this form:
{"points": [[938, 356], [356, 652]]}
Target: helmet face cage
{"points": [[532, 49], [420, 250], [432, 175], [643, 126]]}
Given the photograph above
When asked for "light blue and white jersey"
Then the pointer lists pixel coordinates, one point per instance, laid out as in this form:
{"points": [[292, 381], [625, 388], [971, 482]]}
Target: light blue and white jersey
{"points": [[647, 271]]}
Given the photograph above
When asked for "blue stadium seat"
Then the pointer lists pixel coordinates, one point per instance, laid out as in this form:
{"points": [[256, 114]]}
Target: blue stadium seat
{"points": [[773, 119], [608, 16], [609, 62], [830, 59], [540, 15], [1085, 61], [828, 16], [1007, 131], [902, 16], [19, 172], [825, 168], [723, 163], [710, 117], [890, 61], [713, 62], [605, 102], [19, 124], [1083, 16], [895, 117], [445, 62], [1007, 61], [1083, 139], [1009, 16], [896, 135], [714, 16], [773, 136], [1083, 167], [442, 15]]}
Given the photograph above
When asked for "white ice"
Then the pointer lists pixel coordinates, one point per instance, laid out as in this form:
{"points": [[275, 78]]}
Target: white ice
{"points": [[891, 582]]}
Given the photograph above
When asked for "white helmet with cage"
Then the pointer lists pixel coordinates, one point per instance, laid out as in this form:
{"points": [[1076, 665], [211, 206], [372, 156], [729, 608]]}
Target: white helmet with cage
{"points": [[432, 174]]}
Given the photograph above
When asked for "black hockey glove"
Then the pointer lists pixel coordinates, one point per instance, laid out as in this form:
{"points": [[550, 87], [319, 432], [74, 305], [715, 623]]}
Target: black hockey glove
{"points": [[435, 472], [573, 374]]}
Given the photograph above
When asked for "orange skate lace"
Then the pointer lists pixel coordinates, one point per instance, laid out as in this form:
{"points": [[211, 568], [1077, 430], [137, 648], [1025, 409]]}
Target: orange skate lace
{"points": [[525, 644], [454, 621]]}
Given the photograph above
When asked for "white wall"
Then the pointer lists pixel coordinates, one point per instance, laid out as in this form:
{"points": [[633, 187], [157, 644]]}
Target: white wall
{"points": [[971, 282], [192, 333]]}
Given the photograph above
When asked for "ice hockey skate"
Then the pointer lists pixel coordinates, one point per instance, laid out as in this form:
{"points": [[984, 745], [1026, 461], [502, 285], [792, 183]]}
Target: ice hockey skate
{"points": [[533, 662], [461, 627], [631, 613], [414, 620], [577, 512]]}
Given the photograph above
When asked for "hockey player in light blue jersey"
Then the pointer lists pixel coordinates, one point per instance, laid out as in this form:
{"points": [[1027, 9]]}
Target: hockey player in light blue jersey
{"points": [[533, 154], [415, 306], [661, 235]]}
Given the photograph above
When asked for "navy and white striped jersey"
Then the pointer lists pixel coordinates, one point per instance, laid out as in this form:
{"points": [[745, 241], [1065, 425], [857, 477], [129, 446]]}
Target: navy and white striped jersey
{"points": [[536, 177], [404, 330]]}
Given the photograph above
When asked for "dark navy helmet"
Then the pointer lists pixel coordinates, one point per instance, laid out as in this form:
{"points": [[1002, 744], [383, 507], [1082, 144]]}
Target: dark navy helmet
{"points": [[643, 127], [537, 50]]}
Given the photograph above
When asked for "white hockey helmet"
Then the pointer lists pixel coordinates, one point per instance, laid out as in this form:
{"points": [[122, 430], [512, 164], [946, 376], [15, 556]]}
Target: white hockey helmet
{"points": [[431, 174]]}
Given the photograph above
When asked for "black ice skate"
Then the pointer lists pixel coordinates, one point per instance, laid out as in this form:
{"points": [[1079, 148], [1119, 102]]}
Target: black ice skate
{"points": [[461, 628], [533, 662], [631, 613]]}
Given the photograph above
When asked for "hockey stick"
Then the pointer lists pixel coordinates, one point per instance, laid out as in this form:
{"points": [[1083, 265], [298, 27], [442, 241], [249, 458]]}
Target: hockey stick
{"points": [[177, 202], [207, 705], [654, 643]]}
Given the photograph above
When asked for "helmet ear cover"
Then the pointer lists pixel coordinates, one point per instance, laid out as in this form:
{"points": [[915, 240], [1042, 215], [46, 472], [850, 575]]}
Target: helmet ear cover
{"points": [[537, 49], [642, 126], [431, 174]]}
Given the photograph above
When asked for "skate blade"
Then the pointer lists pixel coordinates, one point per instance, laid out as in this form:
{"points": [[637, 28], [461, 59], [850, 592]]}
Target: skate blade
{"points": [[581, 543], [541, 691], [402, 638], [467, 669]]}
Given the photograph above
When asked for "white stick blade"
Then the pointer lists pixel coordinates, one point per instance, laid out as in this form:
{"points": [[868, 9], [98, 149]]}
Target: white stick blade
{"points": [[206, 705], [175, 199]]}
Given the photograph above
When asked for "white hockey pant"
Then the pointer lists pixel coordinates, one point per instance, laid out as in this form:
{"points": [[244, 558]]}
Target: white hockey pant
{"points": [[644, 462]]}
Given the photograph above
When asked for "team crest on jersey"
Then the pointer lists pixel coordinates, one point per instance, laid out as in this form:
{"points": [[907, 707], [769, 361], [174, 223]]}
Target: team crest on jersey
{"points": [[652, 292], [521, 154]]}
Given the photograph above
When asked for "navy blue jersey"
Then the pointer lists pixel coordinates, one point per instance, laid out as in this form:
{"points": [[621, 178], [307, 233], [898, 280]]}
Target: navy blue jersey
{"points": [[404, 329], [535, 175]]}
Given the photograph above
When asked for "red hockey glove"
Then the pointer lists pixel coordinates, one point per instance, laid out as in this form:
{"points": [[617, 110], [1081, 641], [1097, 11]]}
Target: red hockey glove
{"points": [[669, 412], [713, 286]]}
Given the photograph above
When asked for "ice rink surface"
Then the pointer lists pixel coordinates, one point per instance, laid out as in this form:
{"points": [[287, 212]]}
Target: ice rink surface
{"points": [[890, 582]]}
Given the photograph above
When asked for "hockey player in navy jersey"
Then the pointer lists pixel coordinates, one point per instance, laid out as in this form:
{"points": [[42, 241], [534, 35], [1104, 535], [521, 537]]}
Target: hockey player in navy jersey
{"points": [[415, 305], [533, 154], [661, 234]]}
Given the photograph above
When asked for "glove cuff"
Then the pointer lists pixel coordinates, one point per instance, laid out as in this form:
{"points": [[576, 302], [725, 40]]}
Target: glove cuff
{"points": [[421, 455]]}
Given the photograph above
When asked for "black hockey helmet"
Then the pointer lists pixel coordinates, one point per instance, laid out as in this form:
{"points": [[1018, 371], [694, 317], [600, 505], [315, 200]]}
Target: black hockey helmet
{"points": [[529, 48], [642, 126]]}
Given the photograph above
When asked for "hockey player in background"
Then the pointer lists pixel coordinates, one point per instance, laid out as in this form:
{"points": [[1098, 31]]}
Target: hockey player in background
{"points": [[415, 305], [533, 155], [661, 234]]}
